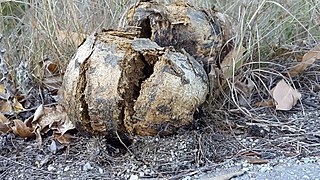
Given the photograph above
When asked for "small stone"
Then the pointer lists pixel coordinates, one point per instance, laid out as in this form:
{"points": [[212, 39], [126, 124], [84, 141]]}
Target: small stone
{"points": [[305, 177], [51, 167], [187, 178], [134, 177], [87, 167], [66, 168], [306, 160], [100, 170], [53, 147], [141, 174]]}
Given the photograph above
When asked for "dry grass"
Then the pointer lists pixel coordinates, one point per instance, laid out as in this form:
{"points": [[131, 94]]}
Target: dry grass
{"points": [[32, 29]]}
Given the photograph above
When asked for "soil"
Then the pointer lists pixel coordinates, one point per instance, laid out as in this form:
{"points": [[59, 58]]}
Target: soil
{"points": [[216, 140]]}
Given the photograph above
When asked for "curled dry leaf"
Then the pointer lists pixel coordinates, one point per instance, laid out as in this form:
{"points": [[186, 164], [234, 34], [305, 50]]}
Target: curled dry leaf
{"points": [[37, 131], [3, 92], [232, 61], [285, 96], [3, 119], [17, 105], [21, 129], [52, 78], [4, 127], [307, 60], [39, 112], [5, 106], [54, 118], [63, 139]]}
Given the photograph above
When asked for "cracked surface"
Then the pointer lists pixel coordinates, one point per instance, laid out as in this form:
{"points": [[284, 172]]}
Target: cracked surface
{"points": [[180, 25], [124, 85]]}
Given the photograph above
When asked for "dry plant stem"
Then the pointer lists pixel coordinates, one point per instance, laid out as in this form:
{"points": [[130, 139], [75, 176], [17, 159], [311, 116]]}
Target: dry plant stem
{"points": [[124, 145], [4, 70]]}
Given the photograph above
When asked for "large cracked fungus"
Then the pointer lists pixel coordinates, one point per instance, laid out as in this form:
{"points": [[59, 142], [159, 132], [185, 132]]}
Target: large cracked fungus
{"points": [[118, 84]]}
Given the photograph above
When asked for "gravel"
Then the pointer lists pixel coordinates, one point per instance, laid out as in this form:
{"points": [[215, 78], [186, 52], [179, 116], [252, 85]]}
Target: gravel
{"points": [[280, 168]]}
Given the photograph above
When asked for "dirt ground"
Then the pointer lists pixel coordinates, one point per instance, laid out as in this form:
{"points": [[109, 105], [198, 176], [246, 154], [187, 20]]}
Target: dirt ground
{"points": [[216, 138]]}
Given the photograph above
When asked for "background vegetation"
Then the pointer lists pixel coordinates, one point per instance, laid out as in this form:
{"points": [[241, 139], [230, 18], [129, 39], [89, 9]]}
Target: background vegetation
{"points": [[35, 31]]}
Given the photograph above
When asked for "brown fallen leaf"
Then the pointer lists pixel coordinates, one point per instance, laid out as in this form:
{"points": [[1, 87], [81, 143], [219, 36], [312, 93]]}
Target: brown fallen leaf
{"points": [[4, 128], [4, 124], [47, 118], [21, 129], [39, 112], [17, 105], [2, 89], [37, 131], [63, 139], [5, 106], [3, 119], [52, 79], [307, 60], [285, 96], [54, 118], [232, 61]]}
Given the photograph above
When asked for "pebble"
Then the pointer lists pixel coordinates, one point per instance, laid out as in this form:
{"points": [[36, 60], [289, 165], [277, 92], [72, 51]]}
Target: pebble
{"points": [[66, 168], [87, 167], [100, 170], [134, 177], [51, 167], [187, 178]]}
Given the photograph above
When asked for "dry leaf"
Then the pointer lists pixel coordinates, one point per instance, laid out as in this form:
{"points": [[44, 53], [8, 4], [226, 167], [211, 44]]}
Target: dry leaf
{"points": [[47, 119], [66, 125], [2, 89], [232, 61], [307, 60], [63, 139], [285, 96], [51, 69], [21, 129], [5, 106], [4, 127], [3, 119], [17, 105], [54, 118], [37, 131], [52, 78], [39, 112]]}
